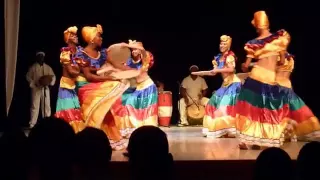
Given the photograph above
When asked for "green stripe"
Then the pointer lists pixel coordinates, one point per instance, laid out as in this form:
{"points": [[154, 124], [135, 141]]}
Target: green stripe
{"points": [[67, 103], [147, 101], [261, 101], [226, 100], [296, 103]]}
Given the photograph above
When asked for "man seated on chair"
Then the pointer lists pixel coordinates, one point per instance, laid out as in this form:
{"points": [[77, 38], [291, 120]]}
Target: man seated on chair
{"points": [[193, 91]]}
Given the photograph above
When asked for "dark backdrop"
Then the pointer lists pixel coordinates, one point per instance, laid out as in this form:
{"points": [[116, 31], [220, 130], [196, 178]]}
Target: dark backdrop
{"points": [[179, 34]]}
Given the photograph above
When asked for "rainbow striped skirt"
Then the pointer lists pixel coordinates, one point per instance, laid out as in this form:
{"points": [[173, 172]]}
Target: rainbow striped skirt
{"points": [[137, 107], [68, 107], [262, 110], [220, 112], [303, 122]]}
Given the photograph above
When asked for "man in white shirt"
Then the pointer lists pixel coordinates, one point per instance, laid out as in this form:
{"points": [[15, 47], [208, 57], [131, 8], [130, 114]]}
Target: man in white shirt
{"points": [[193, 90], [40, 76]]}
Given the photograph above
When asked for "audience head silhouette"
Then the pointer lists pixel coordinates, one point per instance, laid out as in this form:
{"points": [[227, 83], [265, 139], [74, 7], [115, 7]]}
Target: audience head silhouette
{"points": [[51, 148], [273, 163], [93, 154], [13, 144], [148, 152], [308, 157]]}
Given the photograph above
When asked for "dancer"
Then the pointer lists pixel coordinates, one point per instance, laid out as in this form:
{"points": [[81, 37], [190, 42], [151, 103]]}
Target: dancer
{"points": [[303, 123], [139, 104], [219, 119], [98, 93], [262, 106], [68, 107]]}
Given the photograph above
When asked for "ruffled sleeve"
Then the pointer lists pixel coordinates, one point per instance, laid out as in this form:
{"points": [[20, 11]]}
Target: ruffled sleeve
{"points": [[214, 63], [283, 40], [249, 50], [65, 56], [147, 61], [82, 59], [231, 60]]}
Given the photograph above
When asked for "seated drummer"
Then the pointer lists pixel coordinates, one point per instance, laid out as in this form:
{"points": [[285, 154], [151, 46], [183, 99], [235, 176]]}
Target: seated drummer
{"points": [[193, 90]]}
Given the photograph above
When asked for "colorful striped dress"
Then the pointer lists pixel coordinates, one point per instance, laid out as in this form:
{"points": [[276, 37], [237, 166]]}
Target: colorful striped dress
{"points": [[219, 119], [68, 107], [262, 106], [303, 122], [138, 106], [97, 98]]}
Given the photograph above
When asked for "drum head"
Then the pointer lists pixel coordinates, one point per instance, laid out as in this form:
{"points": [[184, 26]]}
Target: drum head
{"points": [[118, 54]]}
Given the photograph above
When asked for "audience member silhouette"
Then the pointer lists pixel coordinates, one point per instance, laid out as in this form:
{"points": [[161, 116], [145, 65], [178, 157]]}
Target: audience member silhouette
{"points": [[13, 145], [51, 150], [273, 163], [93, 154], [308, 158], [149, 156]]}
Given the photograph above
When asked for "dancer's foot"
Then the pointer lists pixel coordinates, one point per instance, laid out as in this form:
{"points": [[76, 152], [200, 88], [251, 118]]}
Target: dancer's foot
{"points": [[182, 125], [255, 147], [243, 146], [119, 147]]}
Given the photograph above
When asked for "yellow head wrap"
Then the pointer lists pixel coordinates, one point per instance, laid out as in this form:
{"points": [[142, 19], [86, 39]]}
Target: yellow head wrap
{"points": [[89, 33], [260, 20], [70, 30], [227, 39]]}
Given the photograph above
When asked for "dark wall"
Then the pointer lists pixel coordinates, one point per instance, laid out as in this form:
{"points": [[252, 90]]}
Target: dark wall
{"points": [[178, 34]]}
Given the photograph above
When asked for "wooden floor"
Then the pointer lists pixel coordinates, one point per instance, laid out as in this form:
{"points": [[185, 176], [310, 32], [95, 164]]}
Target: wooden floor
{"points": [[187, 144]]}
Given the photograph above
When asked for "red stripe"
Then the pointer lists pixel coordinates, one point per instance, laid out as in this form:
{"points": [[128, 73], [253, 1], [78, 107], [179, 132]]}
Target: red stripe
{"points": [[69, 115], [87, 89], [165, 99], [213, 112], [302, 114], [262, 115]]}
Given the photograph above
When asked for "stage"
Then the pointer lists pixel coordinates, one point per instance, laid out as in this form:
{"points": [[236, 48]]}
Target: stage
{"points": [[188, 144]]}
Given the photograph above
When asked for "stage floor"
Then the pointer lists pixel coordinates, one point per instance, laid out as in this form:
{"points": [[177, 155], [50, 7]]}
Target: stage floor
{"points": [[188, 144]]}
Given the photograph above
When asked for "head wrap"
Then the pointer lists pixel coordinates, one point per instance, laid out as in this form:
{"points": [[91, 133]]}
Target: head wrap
{"points": [[135, 43], [70, 30], [89, 33], [260, 20], [227, 39], [193, 66], [40, 53]]}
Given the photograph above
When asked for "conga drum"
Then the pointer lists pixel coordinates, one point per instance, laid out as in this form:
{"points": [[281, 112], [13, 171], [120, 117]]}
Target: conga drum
{"points": [[164, 108], [195, 114]]}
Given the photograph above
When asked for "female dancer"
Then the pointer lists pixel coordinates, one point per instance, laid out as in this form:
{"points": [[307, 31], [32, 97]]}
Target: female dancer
{"points": [[303, 122], [262, 107], [68, 107], [138, 105], [219, 119], [98, 93]]}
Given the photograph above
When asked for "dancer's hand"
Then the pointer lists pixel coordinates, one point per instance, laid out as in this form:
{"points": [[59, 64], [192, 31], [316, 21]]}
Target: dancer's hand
{"points": [[202, 73]]}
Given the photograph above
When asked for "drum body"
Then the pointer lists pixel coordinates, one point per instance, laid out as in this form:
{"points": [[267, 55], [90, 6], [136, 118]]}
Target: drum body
{"points": [[164, 108], [195, 114]]}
